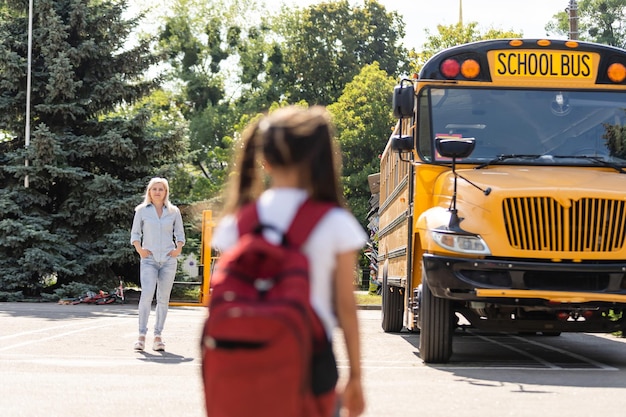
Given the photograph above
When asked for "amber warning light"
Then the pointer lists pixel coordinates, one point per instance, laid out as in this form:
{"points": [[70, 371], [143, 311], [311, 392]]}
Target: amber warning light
{"points": [[616, 72]]}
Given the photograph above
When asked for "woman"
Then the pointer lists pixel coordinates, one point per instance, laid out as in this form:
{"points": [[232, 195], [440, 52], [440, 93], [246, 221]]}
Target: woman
{"points": [[158, 237], [296, 149]]}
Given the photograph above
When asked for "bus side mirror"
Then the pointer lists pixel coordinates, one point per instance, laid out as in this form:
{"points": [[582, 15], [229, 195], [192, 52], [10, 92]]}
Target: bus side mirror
{"points": [[403, 100], [455, 148], [401, 143]]}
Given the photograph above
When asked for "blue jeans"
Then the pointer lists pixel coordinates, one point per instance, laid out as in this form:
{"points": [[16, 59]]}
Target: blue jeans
{"points": [[159, 277]]}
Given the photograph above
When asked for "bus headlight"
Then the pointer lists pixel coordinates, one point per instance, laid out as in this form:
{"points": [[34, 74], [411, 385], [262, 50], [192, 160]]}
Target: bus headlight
{"points": [[462, 243]]}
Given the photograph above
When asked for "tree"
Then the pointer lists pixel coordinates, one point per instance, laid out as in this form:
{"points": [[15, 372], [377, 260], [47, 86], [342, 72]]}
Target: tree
{"points": [[228, 64], [601, 21], [90, 153], [326, 45], [215, 55], [452, 35], [363, 119]]}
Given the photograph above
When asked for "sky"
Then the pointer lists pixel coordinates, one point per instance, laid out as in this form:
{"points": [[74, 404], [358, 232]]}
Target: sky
{"points": [[526, 16]]}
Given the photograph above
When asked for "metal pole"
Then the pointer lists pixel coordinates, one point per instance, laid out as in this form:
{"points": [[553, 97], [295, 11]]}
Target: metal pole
{"points": [[28, 84]]}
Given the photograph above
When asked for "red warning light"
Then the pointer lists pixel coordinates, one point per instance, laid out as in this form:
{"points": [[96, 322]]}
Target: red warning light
{"points": [[450, 68]]}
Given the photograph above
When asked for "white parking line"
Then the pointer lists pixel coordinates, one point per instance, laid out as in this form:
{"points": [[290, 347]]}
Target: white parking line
{"points": [[547, 364], [516, 350], [59, 335], [520, 368], [455, 367], [63, 326], [40, 330], [97, 362], [568, 353]]}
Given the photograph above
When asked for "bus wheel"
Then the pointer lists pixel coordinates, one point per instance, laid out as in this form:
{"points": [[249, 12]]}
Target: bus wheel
{"points": [[392, 305], [437, 327]]}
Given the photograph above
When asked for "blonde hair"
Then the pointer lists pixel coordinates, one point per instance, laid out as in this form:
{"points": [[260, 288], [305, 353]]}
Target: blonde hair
{"points": [[147, 200]]}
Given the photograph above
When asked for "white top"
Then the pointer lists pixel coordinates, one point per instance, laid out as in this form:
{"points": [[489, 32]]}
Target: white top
{"points": [[337, 232]]}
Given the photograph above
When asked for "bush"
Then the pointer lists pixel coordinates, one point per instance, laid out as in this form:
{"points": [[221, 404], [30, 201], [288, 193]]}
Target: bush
{"points": [[11, 296], [185, 293], [71, 290]]}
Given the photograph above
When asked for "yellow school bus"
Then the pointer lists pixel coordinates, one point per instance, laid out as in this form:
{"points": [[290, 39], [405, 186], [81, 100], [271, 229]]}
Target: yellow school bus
{"points": [[503, 193]]}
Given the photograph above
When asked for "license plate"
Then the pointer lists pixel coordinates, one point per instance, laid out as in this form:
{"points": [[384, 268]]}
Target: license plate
{"points": [[540, 64]]}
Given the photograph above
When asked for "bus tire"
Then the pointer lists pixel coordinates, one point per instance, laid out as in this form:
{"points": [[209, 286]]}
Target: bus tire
{"points": [[437, 327], [392, 305]]}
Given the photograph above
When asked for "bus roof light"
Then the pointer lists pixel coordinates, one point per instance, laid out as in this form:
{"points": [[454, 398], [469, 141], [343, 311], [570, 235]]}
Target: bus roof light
{"points": [[616, 72], [450, 68]]}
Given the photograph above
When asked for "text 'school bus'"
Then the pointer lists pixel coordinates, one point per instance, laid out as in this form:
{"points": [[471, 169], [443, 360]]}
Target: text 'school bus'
{"points": [[503, 193]]}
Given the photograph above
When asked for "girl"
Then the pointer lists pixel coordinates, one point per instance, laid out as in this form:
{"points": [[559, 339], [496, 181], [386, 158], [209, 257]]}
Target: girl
{"points": [[156, 226], [296, 149]]}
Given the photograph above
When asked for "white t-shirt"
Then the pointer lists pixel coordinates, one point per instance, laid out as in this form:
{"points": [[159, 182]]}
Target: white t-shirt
{"points": [[337, 232]]}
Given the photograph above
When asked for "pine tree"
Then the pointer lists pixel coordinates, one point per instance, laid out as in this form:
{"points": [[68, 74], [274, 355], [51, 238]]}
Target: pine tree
{"points": [[89, 156]]}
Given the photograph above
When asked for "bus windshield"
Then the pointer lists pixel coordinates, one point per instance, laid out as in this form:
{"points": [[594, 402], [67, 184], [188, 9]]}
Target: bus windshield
{"points": [[522, 126]]}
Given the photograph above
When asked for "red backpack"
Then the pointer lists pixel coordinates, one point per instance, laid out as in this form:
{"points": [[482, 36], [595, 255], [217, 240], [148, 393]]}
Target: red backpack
{"points": [[264, 350]]}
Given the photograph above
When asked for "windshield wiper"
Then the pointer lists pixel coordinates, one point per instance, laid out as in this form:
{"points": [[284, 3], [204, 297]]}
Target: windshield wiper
{"points": [[597, 159], [504, 157]]}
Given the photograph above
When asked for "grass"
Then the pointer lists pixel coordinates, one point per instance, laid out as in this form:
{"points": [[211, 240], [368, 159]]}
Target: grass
{"points": [[367, 299], [192, 292], [185, 292]]}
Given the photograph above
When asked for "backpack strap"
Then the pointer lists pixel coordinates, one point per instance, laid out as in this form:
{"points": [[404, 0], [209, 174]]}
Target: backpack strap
{"points": [[306, 218], [247, 218]]}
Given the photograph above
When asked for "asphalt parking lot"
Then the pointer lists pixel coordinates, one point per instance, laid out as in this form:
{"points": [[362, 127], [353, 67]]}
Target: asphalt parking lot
{"points": [[78, 360]]}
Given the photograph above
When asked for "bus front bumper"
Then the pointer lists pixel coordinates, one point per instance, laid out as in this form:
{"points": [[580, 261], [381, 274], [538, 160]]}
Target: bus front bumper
{"points": [[520, 282]]}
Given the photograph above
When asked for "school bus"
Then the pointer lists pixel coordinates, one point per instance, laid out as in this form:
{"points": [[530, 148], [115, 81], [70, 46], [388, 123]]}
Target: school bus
{"points": [[503, 193]]}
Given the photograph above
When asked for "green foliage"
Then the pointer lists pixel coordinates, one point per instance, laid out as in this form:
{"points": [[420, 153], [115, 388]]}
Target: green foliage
{"points": [[363, 119], [368, 299], [70, 290], [327, 44], [101, 128], [11, 297], [93, 146], [600, 21], [185, 293], [228, 65], [202, 40]]}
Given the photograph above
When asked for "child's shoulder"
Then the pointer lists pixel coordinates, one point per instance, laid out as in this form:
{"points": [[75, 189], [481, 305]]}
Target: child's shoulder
{"points": [[339, 224], [225, 234], [340, 213]]}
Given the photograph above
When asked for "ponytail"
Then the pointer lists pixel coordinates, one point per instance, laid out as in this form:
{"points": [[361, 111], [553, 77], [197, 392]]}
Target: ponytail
{"points": [[245, 184], [325, 168]]}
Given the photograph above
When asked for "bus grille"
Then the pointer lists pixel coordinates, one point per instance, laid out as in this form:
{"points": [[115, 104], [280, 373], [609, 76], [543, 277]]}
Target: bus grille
{"points": [[586, 225]]}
